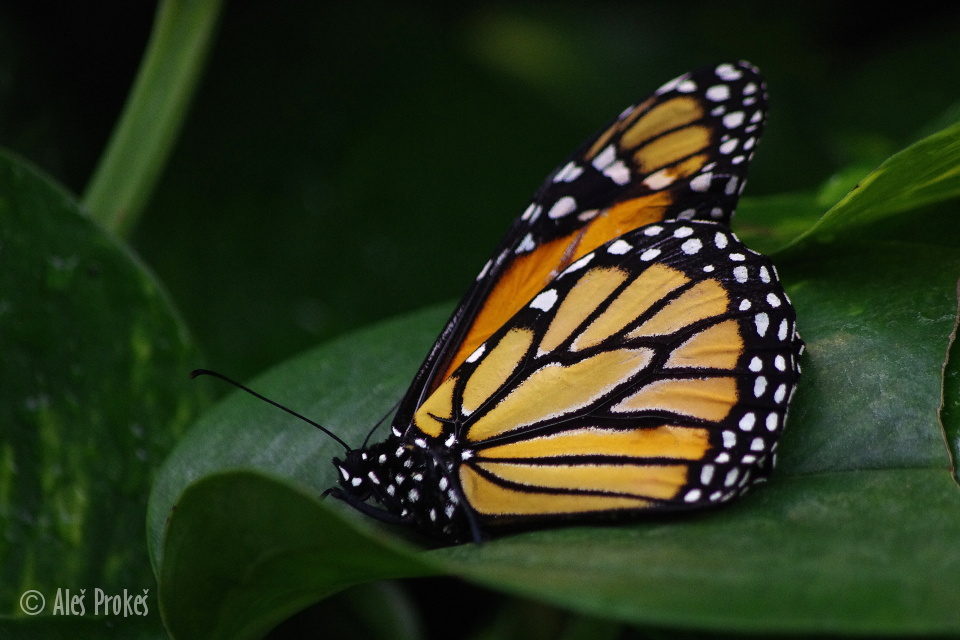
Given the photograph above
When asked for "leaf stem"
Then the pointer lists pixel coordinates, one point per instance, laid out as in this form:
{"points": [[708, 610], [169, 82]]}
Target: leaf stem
{"points": [[153, 114]]}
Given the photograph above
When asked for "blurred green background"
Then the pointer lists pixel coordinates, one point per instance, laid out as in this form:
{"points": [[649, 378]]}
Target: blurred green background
{"points": [[347, 162]]}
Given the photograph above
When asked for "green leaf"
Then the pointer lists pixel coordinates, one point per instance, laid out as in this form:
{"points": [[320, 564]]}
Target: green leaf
{"points": [[854, 534], [93, 396], [263, 550], [837, 552], [924, 173], [348, 384]]}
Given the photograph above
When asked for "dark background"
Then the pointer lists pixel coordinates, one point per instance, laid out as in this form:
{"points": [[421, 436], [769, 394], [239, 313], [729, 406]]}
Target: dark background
{"points": [[344, 163]]}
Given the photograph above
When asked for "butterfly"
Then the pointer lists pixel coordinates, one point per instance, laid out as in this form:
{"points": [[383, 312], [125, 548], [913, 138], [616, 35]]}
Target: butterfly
{"points": [[622, 352]]}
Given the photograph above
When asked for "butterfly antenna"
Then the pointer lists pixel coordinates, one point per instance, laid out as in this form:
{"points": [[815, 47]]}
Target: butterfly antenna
{"points": [[208, 372], [380, 422]]}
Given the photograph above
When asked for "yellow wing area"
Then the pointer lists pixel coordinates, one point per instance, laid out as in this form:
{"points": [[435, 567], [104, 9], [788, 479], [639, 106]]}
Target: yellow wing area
{"points": [[490, 498], [669, 441], [662, 141], [554, 391], [581, 468]]}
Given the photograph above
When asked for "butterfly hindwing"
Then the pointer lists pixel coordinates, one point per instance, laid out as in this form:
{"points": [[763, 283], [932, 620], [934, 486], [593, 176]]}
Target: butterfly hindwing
{"points": [[653, 373], [681, 153]]}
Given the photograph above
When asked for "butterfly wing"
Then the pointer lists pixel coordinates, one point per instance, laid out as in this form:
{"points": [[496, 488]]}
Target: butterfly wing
{"points": [[681, 153], [653, 373]]}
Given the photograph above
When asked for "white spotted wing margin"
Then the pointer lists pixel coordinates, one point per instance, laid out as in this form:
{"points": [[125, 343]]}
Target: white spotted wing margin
{"points": [[683, 152], [655, 371]]}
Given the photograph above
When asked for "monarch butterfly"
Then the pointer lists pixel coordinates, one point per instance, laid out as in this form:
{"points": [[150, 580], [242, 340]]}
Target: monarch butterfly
{"points": [[622, 352]]}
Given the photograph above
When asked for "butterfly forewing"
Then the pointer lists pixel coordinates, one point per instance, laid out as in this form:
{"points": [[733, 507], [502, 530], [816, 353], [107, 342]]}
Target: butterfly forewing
{"points": [[654, 372], [681, 153]]}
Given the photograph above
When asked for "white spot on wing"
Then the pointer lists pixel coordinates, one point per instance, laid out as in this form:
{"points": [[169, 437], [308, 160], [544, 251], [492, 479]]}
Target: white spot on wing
{"points": [[706, 474], [545, 300], [731, 477], [579, 264], [733, 120], [780, 393], [562, 207], [701, 183], [669, 86], [727, 71], [718, 93], [649, 254], [473, 357], [658, 180], [619, 247], [604, 158], [759, 386], [618, 172], [762, 320], [527, 244], [773, 419], [483, 272], [573, 173]]}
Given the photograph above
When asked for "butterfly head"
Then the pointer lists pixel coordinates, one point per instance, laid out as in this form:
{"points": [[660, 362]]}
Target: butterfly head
{"points": [[404, 482]]}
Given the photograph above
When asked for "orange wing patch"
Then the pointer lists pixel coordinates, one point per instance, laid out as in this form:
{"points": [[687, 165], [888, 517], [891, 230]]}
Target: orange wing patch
{"points": [[531, 272]]}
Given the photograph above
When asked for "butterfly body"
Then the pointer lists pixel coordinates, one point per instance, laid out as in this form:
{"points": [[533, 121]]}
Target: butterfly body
{"points": [[622, 352]]}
